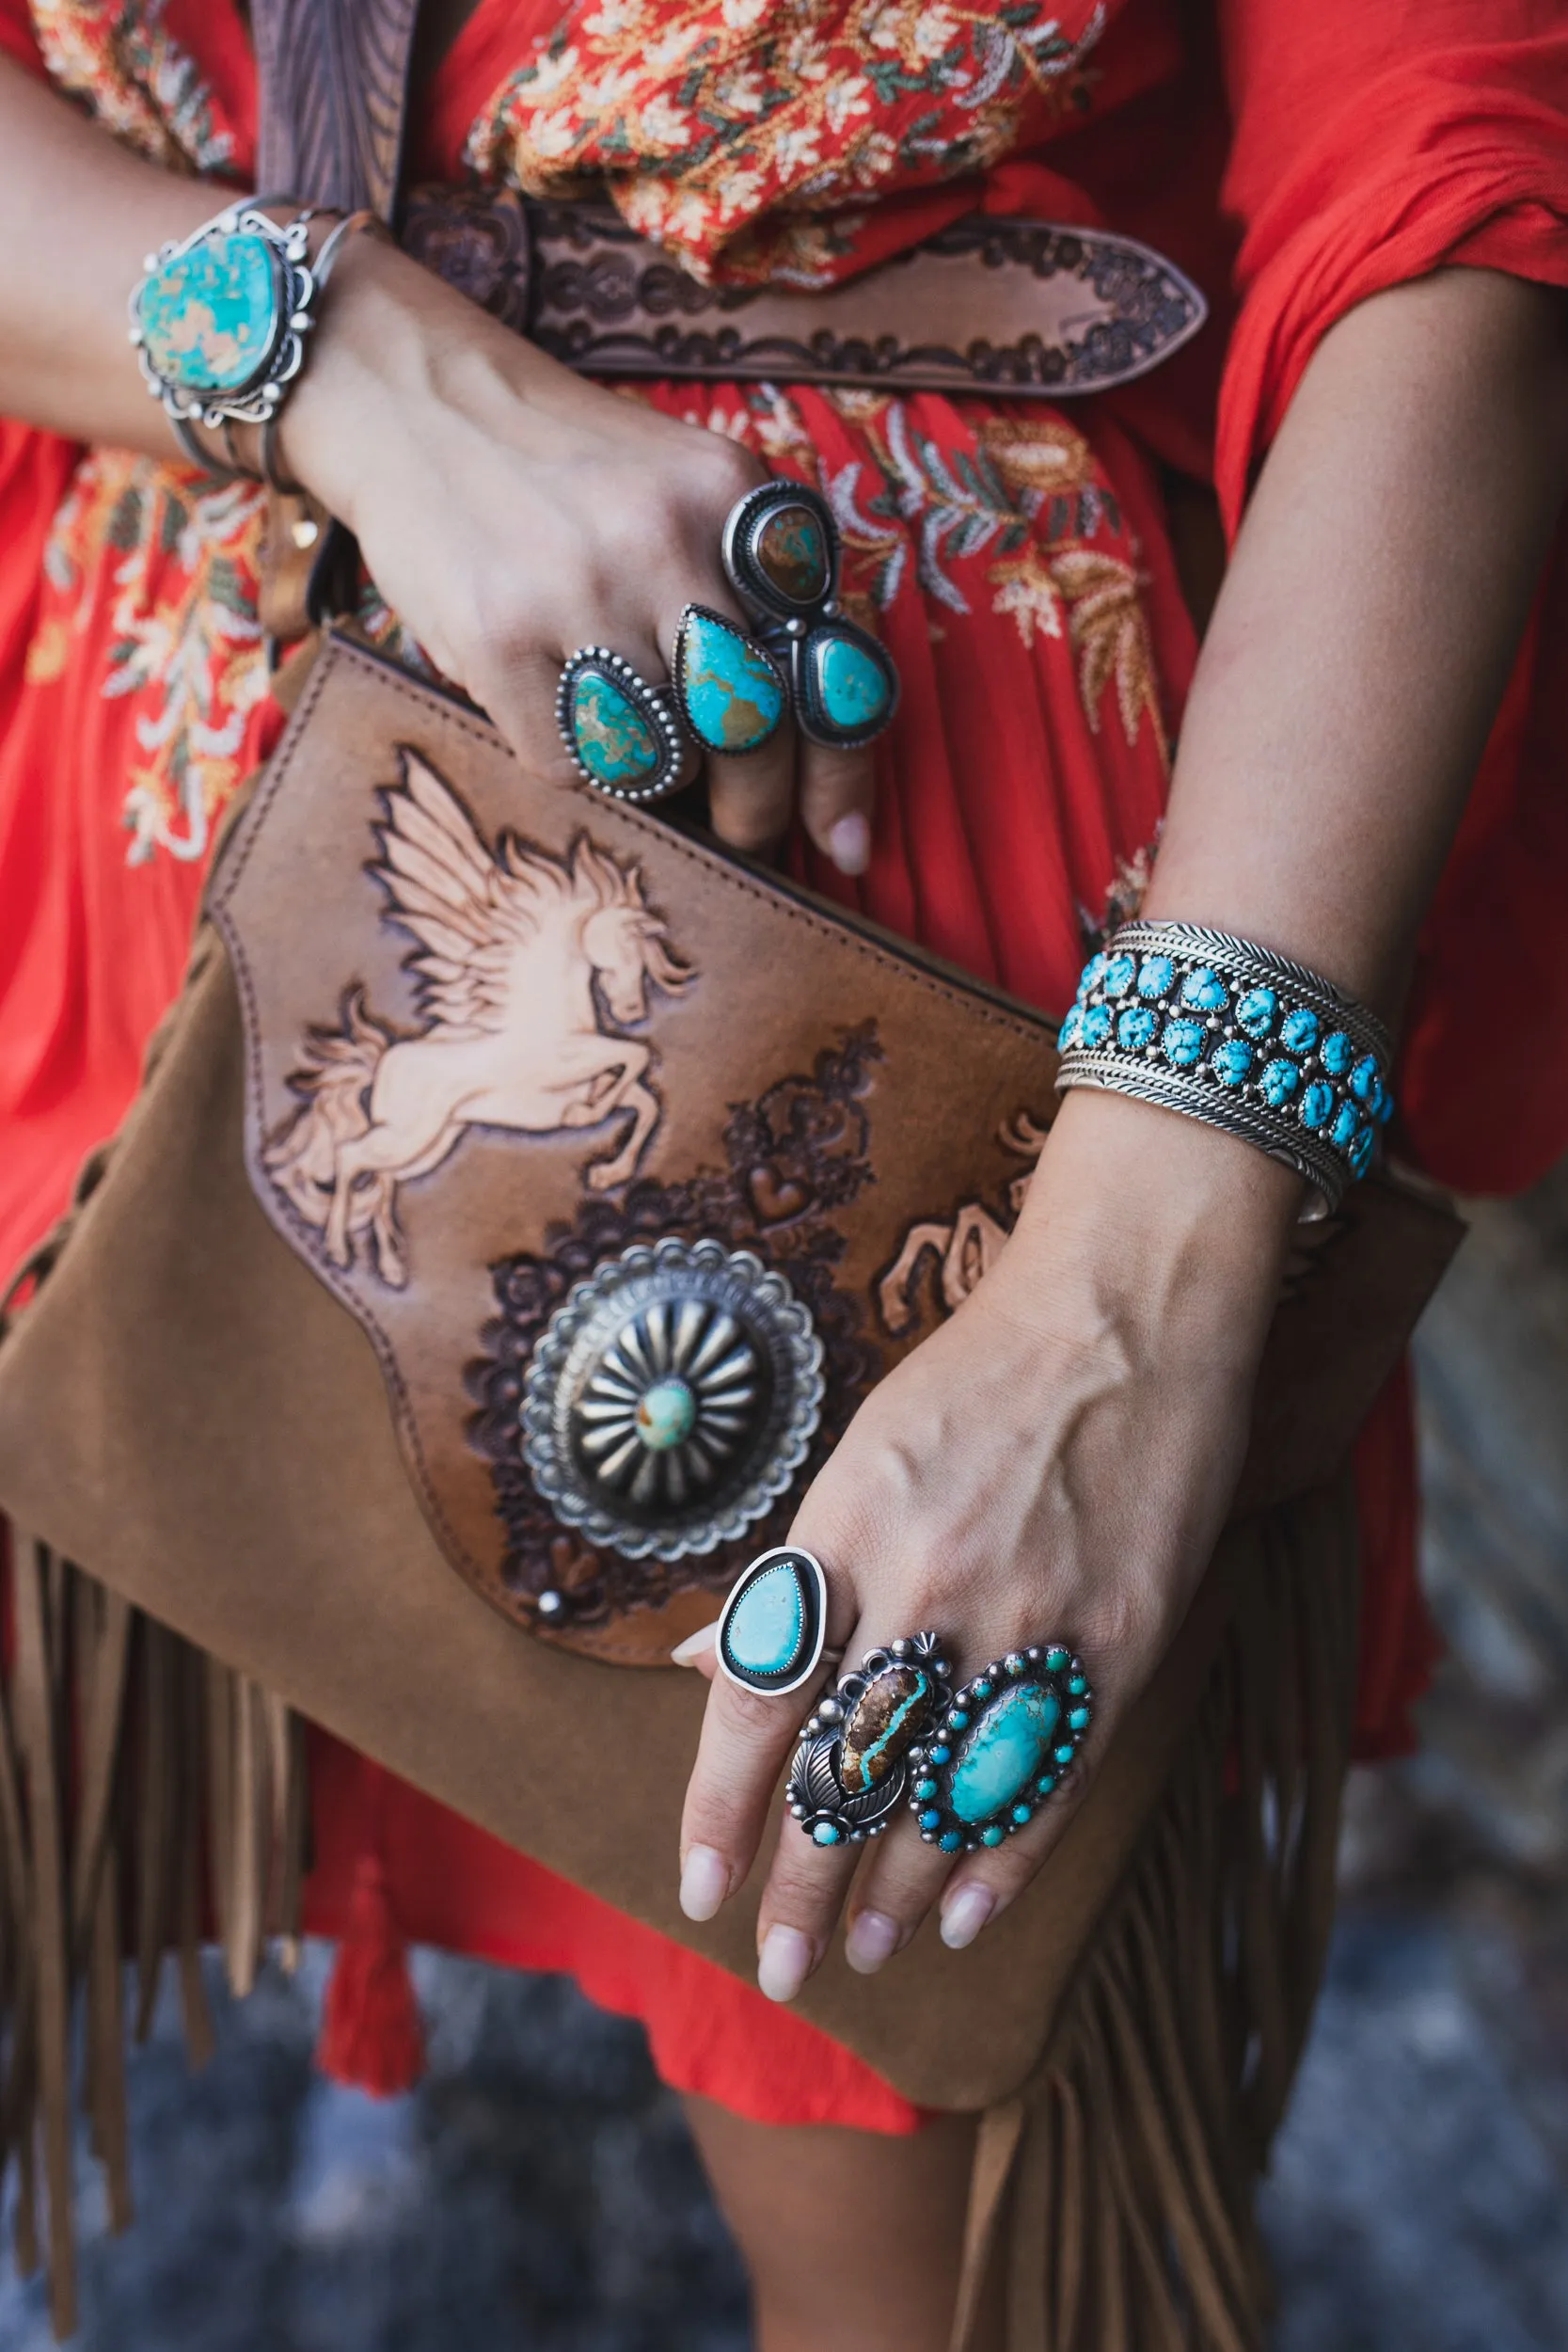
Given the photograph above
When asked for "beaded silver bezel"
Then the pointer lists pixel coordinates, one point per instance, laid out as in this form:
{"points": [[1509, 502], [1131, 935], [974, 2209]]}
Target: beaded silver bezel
{"points": [[928, 1764], [815, 1795], [777, 1686], [681, 756], [262, 394]]}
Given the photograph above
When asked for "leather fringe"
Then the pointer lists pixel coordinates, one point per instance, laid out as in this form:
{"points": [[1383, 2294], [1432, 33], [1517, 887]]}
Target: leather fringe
{"points": [[149, 1797], [1113, 2192]]}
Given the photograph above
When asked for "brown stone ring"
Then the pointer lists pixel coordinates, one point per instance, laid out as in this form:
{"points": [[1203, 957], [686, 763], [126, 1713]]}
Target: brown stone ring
{"points": [[850, 1769]]}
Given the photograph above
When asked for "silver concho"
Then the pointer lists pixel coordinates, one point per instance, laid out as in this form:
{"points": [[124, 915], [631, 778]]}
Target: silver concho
{"points": [[672, 1399]]}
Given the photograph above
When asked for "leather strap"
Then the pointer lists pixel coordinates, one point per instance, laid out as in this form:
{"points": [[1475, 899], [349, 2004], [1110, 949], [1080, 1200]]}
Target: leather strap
{"points": [[333, 97]]}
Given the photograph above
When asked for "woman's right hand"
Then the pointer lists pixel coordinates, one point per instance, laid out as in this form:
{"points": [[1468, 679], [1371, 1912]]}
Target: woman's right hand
{"points": [[510, 512]]}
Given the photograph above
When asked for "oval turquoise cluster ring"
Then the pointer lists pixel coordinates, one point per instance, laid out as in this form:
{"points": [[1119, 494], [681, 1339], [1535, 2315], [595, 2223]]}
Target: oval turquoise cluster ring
{"points": [[1000, 1748], [782, 555], [624, 736]]}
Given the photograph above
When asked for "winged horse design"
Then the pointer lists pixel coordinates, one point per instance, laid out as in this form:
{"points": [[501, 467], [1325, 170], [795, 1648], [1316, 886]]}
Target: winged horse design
{"points": [[516, 953]]}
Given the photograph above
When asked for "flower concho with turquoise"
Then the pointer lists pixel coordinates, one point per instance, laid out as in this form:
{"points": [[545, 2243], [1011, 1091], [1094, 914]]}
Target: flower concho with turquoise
{"points": [[1241, 1038], [220, 317]]}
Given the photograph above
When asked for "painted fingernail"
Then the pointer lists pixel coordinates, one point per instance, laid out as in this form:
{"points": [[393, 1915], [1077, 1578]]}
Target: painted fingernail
{"points": [[872, 1938], [964, 1914], [849, 844], [704, 1882], [687, 1652], [784, 1964]]}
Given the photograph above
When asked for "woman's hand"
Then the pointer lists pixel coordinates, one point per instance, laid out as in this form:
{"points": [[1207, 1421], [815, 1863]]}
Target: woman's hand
{"points": [[1053, 1464], [510, 512]]}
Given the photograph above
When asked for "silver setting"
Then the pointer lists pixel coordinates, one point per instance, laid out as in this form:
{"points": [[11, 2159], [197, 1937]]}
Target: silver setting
{"points": [[793, 628], [807, 1564], [1143, 1074], [681, 757], [672, 1399], [934, 1760], [828, 1813], [257, 401]]}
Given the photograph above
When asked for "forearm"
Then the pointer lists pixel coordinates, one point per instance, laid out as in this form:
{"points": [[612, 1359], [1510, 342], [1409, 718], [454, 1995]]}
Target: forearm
{"points": [[1366, 625]]}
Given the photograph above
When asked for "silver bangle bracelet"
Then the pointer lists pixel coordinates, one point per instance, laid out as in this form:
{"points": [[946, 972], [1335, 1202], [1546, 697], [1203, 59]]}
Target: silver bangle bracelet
{"points": [[1245, 1040]]}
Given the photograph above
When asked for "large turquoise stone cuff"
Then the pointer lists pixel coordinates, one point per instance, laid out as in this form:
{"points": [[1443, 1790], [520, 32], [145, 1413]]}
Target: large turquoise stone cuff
{"points": [[220, 317]]}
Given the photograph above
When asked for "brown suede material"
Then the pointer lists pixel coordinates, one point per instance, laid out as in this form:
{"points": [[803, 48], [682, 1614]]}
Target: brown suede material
{"points": [[187, 1410]]}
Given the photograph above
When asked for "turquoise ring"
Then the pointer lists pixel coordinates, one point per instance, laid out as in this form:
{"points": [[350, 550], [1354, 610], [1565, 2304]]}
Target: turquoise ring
{"points": [[1000, 1748], [624, 736], [782, 555], [731, 691], [852, 1766], [774, 1629]]}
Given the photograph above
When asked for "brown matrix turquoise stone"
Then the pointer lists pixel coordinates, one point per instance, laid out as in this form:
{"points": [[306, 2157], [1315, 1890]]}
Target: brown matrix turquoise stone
{"points": [[882, 1724], [791, 550]]}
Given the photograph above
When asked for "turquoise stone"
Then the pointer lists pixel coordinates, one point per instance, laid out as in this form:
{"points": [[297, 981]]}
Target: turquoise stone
{"points": [[1078, 1719], [1346, 1122], [1045, 1784], [1055, 1659], [1337, 1052], [932, 1818], [1118, 975], [828, 1833], [983, 1689], [1364, 1079], [885, 1722], [1182, 1043], [209, 318], [1136, 1029], [614, 741], [1361, 1152], [768, 1631], [1254, 1011], [1002, 1752], [1078, 1685], [851, 686], [1317, 1104], [730, 692], [950, 1840], [1155, 976], [666, 1415], [1022, 1813], [1279, 1082], [1095, 1025], [1299, 1033], [1204, 991], [992, 1836], [924, 1790], [941, 1755], [958, 1720], [1063, 1753], [1232, 1062], [791, 552]]}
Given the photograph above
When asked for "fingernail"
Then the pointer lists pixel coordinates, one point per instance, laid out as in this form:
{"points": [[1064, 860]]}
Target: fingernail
{"points": [[784, 1964], [849, 844], [873, 1937], [704, 1882], [964, 1915], [686, 1653]]}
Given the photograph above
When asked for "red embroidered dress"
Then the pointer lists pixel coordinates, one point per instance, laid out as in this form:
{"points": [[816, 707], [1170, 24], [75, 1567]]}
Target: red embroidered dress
{"points": [[1013, 557]]}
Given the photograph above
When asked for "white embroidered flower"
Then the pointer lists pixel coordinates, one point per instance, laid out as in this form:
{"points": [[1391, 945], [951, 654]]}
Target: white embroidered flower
{"points": [[741, 92], [613, 18], [662, 127], [798, 151], [847, 97], [547, 137], [933, 33], [739, 16], [673, 48], [739, 192], [551, 73], [598, 93], [874, 157]]}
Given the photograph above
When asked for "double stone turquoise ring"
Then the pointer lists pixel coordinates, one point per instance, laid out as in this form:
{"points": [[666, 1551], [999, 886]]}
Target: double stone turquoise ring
{"points": [[973, 1764], [782, 553]]}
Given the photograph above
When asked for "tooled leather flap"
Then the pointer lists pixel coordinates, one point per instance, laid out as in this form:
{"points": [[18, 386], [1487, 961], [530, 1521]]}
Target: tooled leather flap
{"points": [[333, 81], [637, 1167]]}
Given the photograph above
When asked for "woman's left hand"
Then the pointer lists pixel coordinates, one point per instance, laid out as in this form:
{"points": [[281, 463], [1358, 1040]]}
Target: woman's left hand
{"points": [[1053, 1464]]}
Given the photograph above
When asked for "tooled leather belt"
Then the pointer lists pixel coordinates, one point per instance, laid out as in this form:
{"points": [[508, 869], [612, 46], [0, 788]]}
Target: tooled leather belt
{"points": [[1020, 306]]}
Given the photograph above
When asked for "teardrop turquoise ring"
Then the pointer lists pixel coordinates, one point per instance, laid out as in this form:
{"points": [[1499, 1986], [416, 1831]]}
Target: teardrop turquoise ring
{"points": [[731, 691], [624, 736], [1000, 1748], [773, 1628]]}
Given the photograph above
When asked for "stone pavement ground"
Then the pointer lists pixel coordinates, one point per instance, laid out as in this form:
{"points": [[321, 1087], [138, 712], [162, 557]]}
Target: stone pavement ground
{"points": [[539, 2194]]}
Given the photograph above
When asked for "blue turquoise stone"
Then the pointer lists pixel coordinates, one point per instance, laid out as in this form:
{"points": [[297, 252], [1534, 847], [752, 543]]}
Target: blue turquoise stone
{"points": [[1347, 1123], [1365, 1079], [1069, 1032], [1299, 1033], [1022, 1813], [614, 741], [210, 318], [1094, 972], [768, 1631], [851, 684], [1337, 1052], [1063, 1753], [1254, 1011], [1055, 1659], [883, 1723], [1004, 1752], [1155, 975], [932, 1818], [958, 1720], [1095, 1027], [1045, 1784], [1361, 1152], [950, 1841], [992, 1836], [925, 1789], [1278, 1084], [666, 1415], [1078, 1685], [1385, 1111], [1121, 973], [984, 1689], [940, 1754], [1183, 1044], [1136, 1028], [828, 1833], [1316, 1104], [729, 692], [1078, 1719], [1204, 991], [1231, 1062]]}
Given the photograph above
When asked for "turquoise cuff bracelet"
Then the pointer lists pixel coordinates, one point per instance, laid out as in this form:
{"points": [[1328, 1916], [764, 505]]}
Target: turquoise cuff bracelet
{"points": [[1245, 1040], [219, 319]]}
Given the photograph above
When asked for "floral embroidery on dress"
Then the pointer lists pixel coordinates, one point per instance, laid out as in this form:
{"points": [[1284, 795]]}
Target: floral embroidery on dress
{"points": [[138, 82], [705, 118], [185, 643]]}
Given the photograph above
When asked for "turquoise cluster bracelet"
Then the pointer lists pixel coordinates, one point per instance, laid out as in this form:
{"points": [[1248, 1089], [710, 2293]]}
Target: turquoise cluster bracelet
{"points": [[1244, 1039]]}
